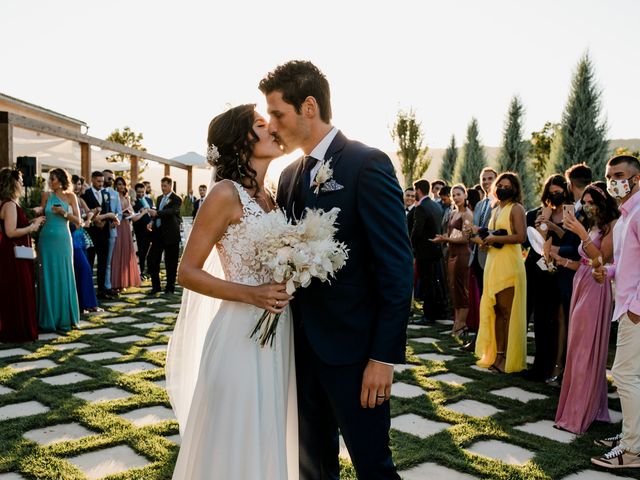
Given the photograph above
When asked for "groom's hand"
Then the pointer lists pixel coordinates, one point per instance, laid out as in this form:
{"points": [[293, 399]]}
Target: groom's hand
{"points": [[376, 384]]}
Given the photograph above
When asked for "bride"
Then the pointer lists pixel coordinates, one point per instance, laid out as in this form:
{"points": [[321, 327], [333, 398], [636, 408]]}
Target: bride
{"points": [[235, 402]]}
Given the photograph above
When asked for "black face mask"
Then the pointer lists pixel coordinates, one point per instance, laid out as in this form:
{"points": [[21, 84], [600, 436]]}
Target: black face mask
{"points": [[556, 199], [504, 193]]}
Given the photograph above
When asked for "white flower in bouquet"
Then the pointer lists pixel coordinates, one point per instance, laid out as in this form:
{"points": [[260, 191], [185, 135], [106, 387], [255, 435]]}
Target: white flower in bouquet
{"points": [[295, 255]]}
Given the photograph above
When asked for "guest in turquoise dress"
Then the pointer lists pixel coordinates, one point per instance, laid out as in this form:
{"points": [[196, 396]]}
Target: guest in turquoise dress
{"points": [[58, 308]]}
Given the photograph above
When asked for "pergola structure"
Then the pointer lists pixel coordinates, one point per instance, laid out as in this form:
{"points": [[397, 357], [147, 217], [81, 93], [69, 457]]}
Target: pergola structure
{"points": [[40, 123]]}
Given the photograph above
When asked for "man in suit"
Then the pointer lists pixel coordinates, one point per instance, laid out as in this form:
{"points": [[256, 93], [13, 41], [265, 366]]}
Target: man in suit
{"points": [[116, 207], [409, 204], [426, 225], [165, 237], [99, 231], [202, 190], [140, 226], [348, 334]]}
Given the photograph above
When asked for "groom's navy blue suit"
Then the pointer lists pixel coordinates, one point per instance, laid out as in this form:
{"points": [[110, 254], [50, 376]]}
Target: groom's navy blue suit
{"points": [[361, 315]]}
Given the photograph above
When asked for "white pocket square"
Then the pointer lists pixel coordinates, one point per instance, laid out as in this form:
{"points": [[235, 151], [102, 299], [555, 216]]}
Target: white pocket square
{"points": [[331, 186]]}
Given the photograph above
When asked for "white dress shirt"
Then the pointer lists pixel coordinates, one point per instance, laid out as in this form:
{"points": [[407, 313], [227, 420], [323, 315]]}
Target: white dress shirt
{"points": [[320, 151]]}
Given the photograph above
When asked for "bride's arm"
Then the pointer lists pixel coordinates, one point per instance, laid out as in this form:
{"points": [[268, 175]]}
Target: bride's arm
{"points": [[220, 209]]}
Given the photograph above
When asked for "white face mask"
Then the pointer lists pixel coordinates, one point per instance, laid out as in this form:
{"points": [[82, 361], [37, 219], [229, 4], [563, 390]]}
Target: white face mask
{"points": [[619, 188]]}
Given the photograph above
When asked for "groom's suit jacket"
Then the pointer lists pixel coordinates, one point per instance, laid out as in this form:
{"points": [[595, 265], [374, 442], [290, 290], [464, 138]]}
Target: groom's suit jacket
{"points": [[363, 313]]}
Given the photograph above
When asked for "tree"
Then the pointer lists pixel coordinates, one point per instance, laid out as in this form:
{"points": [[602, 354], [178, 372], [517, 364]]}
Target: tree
{"points": [[513, 154], [449, 160], [583, 130], [473, 157], [407, 132], [540, 152], [130, 139]]}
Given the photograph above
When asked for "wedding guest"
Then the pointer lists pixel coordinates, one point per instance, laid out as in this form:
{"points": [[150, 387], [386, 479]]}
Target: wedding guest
{"points": [[98, 200], [458, 261], [578, 177], [116, 207], [124, 267], [58, 308], [148, 191], [623, 183], [478, 188], [18, 321], [546, 299], [142, 205], [81, 240], [478, 258], [409, 205], [473, 198], [436, 186], [446, 204], [202, 191], [501, 344], [428, 255], [583, 398], [165, 237]]}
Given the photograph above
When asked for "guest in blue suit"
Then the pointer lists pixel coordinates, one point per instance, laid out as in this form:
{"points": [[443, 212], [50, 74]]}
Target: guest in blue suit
{"points": [[348, 334], [115, 207]]}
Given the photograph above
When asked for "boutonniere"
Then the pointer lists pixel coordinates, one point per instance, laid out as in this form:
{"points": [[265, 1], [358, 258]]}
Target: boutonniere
{"points": [[324, 175]]}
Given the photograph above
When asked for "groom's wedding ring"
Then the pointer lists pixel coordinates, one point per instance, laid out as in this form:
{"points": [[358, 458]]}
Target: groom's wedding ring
{"points": [[277, 303], [381, 396]]}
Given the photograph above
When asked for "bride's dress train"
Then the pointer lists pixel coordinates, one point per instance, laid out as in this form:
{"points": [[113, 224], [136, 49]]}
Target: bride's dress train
{"points": [[235, 402]]}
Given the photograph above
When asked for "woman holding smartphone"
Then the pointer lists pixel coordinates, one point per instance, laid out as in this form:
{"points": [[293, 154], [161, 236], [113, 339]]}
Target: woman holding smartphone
{"points": [[58, 308]]}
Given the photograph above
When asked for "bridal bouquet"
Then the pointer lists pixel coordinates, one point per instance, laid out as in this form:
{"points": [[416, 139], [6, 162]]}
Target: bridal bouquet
{"points": [[296, 254]]}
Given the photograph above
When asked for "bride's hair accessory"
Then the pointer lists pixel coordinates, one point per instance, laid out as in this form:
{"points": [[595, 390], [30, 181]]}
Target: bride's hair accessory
{"points": [[212, 154]]}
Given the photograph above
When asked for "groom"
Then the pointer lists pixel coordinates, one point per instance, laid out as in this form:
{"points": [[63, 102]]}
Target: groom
{"points": [[348, 334]]}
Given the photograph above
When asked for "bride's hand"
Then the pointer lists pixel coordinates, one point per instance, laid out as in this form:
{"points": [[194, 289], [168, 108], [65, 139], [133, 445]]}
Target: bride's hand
{"points": [[272, 297]]}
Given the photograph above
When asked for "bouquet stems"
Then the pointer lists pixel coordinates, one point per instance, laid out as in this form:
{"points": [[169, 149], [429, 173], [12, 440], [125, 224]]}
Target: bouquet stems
{"points": [[265, 329]]}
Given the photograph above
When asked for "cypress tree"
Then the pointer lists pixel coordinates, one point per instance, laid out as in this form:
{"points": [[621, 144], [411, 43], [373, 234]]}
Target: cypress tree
{"points": [[448, 166], [473, 157], [583, 130]]}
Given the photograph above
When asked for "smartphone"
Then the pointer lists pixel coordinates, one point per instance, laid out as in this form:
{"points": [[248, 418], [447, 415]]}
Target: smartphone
{"points": [[567, 210]]}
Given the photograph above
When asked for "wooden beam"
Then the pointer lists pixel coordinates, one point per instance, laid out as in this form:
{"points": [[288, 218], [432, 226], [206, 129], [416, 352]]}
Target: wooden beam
{"points": [[6, 141], [60, 132], [134, 170], [167, 170], [189, 179], [85, 162]]}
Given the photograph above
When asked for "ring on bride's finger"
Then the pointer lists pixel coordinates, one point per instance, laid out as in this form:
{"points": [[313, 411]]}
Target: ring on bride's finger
{"points": [[277, 303]]}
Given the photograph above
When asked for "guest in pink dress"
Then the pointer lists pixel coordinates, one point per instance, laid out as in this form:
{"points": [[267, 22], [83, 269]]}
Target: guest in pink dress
{"points": [[583, 398], [124, 264]]}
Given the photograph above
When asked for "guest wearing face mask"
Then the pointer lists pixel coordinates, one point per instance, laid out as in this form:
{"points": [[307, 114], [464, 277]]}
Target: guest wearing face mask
{"points": [[583, 398], [501, 344]]}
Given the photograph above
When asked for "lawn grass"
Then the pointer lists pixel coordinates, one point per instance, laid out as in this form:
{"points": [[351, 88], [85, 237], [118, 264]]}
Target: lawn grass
{"points": [[552, 460]]}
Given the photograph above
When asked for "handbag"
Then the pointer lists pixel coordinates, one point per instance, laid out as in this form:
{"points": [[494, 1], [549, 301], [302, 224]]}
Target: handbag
{"points": [[24, 253]]}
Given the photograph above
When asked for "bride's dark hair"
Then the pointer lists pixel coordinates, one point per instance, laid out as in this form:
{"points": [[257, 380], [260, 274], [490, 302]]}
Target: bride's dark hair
{"points": [[233, 136]]}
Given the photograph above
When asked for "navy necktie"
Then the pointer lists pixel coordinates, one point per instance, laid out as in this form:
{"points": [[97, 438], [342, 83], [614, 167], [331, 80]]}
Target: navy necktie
{"points": [[304, 183]]}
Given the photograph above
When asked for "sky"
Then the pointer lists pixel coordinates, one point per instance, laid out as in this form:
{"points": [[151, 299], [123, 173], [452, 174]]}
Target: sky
{"points": [[166, 68]]}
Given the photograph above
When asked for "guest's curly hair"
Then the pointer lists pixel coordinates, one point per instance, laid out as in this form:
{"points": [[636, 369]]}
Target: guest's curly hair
{"points": [[9, 184], [233, 136], [63, 177], [514, 179], [607, 207]]}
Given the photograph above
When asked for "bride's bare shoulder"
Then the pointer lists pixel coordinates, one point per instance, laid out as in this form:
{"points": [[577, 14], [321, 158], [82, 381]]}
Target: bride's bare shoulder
{"points": [[222, 200]]}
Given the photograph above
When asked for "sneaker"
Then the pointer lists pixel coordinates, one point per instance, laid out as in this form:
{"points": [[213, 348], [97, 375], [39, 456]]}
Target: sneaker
{"points": [[610, 442], [618, 457]]}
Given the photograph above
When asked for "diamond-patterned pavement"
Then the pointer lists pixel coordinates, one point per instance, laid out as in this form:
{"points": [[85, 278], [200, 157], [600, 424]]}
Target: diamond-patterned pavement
{"points": [[416, 425], [149, 416], [58, 433], [473, 408], [109, 461], [504, 452]]}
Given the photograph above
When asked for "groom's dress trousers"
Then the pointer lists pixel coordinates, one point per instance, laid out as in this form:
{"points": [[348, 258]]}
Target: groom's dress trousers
{"points": [[361, 315]]}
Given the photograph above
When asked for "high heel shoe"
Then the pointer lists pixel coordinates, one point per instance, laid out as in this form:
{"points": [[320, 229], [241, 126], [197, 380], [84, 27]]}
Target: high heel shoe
{"points": [[555, 380], [461, 332]]}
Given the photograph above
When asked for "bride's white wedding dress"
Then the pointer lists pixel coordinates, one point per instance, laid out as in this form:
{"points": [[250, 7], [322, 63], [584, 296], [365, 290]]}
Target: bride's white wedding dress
{"points": [[235, 401]]}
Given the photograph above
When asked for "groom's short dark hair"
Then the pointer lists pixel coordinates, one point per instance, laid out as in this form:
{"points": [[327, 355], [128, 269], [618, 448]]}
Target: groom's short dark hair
{"points": [[297, 80]]}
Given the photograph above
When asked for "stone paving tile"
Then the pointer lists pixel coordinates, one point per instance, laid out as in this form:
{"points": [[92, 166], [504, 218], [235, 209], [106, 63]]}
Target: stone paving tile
{"points": [[48, 336], [160, 383], [4, 390], [11, 476], [530, 359], [405, 390], [128, 339], [116, 304], [616, 416], [98, 331], [149, 415], [166, 334], [433, 471], [22, 409], [343, 452], [139, 310], [424, 340], [473, 408], [504, 452], [84, 324], [516, 393], [32, 365], [126, 319], [593, 475], [66, 378], [531, 335], [132, 367], [63, 432], [417, 327], [175, 305], [69, 346], [480, 369], [156, 348], [109, 461], [544, 428], [152, 301], [451, 378], [93, 357], [445, 322], [148, 325], [614, 395], [416, 425], [104, 395], [12, 352], [134, 296], [174, 439], [164, 314], [402, 367], [435, 357]]}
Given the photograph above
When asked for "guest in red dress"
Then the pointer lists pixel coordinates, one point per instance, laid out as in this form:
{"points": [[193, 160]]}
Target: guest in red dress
{"points": [[18, 322]]}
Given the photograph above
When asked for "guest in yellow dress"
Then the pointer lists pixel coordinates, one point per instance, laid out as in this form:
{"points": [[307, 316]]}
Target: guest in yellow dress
{"points": [[502, 338]]}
